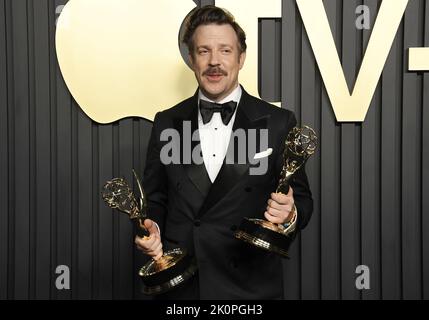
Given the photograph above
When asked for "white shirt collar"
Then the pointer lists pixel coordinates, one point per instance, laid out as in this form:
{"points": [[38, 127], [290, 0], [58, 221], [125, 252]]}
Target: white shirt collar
{"points": [[235, 95]]}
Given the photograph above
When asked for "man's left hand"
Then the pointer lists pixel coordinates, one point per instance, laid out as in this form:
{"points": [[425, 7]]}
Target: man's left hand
{"points": [[280, 208]]}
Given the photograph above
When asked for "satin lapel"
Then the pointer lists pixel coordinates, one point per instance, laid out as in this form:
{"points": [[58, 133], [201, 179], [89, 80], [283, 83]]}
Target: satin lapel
{"points": [[197, 173], [232, 170]]}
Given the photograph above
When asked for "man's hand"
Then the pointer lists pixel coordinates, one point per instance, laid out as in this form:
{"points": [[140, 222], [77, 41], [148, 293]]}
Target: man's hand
{"points": [[280, 207], [151, 245]]}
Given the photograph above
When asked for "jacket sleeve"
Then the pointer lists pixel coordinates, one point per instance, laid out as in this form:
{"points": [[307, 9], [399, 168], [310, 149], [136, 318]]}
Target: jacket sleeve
{"points": [[155, 178], [299, 182]]}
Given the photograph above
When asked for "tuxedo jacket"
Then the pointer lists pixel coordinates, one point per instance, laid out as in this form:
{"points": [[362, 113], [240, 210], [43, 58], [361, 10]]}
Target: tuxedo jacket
{"points": [[200, 216]]}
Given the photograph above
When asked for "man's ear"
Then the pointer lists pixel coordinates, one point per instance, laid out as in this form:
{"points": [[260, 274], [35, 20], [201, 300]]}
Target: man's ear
{"points": [[242, 58]]}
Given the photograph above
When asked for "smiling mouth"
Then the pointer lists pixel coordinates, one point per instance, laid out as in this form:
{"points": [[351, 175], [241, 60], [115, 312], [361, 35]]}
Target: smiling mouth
{"points": [[214, 77]]}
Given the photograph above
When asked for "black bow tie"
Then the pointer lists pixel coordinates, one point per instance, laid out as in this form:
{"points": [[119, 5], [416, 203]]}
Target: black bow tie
{"points": [[226, 110]]}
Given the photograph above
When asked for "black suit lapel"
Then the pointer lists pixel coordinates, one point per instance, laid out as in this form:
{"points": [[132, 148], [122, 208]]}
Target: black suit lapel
{"points": [[232, 170], [196, 172]]}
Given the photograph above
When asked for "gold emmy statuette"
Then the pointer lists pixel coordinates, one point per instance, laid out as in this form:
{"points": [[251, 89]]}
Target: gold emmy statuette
{"points": [[175, 266], [300, 144]]}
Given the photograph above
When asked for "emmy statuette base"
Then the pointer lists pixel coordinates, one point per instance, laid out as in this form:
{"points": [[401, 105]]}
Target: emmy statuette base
{"points": [[171, 270], [265, 235]]}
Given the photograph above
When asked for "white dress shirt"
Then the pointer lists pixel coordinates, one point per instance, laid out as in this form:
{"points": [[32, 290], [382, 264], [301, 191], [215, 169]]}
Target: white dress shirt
{"points": [[214, 135]]}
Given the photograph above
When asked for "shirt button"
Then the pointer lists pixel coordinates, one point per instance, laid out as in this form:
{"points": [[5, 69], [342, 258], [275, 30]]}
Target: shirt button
{"points": [[214, 155], [197, 222]]}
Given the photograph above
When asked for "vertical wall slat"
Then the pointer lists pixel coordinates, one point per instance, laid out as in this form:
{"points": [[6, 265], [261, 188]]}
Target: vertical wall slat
{"points": [[4, 145], [425, 166], [370, 175], [269, 52], [106, 216], [310, 115], [289, 69], [21, 146], [411, 157], [75, 200], [95, 209], [10, 152], [390, 149], [43, 151], [85, 254], [330, 190], [204, 2], [350, 155], [32, 201], [115, 234], [53, 75]]}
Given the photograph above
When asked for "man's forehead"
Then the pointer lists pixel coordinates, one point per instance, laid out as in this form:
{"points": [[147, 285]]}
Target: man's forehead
{"points": [[224, 35]]}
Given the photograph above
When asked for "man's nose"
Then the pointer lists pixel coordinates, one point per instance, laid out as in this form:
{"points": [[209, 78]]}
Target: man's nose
{"points": [[214, 59]]}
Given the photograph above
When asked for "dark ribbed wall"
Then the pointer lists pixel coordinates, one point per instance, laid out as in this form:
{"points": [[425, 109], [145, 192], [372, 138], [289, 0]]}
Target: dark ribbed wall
{"points": [[370, 181]]}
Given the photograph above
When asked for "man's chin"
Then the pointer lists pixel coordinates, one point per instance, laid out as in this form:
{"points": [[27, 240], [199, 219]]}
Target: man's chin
{"points": [[213, 94]]}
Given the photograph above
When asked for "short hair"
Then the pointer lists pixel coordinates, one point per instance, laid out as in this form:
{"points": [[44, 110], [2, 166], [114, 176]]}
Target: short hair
{"points": [[211, 15]]}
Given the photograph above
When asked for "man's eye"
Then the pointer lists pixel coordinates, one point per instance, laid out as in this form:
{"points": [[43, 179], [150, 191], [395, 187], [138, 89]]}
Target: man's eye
{"points": [[226, 51], [203, 52]]}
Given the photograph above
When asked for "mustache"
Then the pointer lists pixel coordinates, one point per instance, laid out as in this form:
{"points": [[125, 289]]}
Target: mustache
{"points": [[215, 70]]}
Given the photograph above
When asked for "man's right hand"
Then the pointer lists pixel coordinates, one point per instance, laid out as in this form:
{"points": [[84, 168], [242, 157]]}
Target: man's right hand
{"points": [[151, 245]]}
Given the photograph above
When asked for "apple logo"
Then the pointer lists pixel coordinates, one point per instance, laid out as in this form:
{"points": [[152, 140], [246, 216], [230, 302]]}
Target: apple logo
{"points": [[120, 58]]}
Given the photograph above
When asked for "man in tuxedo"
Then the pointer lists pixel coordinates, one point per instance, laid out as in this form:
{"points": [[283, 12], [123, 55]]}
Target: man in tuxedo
{"points": [[198, 206]]}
